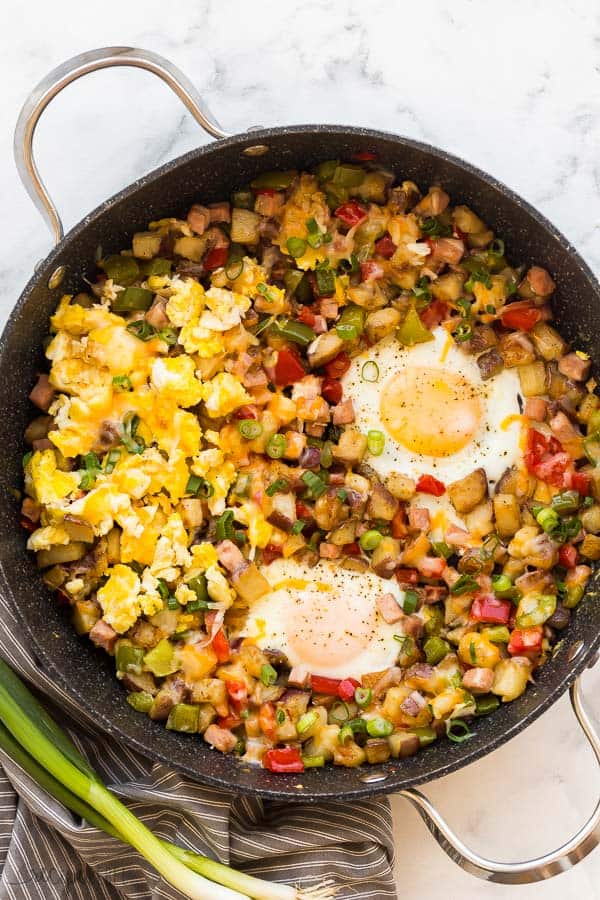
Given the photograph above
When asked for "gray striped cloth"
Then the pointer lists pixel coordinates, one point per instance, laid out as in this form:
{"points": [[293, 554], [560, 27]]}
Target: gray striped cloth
{"points": [[48, 854]]}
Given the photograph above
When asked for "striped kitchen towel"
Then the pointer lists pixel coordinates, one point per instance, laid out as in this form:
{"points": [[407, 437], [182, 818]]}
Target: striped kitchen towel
{"points": [[48, 854]]}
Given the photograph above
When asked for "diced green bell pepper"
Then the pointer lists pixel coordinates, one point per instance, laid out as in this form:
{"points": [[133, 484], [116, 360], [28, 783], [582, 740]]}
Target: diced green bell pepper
{"points": [[129, 659], [534, 609], [183, 717], [156, 266], [412, 331], [132, 298], [141, 701], [121, 269], [275, 181], [161, 660], [426, 734], [435, 649], [485, 704]]}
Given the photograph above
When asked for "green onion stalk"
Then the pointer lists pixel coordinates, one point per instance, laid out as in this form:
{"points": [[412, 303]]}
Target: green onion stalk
{"points": [[34, 741]]}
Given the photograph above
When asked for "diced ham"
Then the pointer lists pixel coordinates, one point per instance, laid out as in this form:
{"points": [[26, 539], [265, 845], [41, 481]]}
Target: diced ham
{"points": [[540, 281], [343, 413], [485, 583], [221, 738], [457, 537], [219, 212], [535, 409], [431, 566], [309, 388], [574, 367], [198, 218], [156, 315], [563, 429], [413, 704], [294, 444], [31, 510], [329, 308], [413, 626], [435, 594], [418, 518], [255, 377], [217, 239], [329, 551], [390, 677], [43, 444], [478, 680], [104, 635], [42, 394], [299, 677], [389, 608], [230, 556], [450, 576], [267, 204], [447, 250], [315, 429], [319, 325]]}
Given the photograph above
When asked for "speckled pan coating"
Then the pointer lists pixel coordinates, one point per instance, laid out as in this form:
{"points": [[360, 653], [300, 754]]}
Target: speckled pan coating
{"points": [[209, 174]]}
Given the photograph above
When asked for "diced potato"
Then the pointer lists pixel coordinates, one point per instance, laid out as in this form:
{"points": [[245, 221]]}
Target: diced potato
{"points": [[113, 546], [351, 447], [253, 659], [78, 530], [85, 615], [249, 583], [192, 248], [510, 678], [191, 511], [403, 744], [507, 514], [382, 504], [324, 348], [329, 512], [381, 323], [244, 226], [394, 698], [377, 751], [61, 553], [349, 755], [466, 220], [401, 486], [324, 742], [146, 244], [590, 518], [210, 690], [468, 492], [588, 405], [516, 350], [386, 557], [589, 547], [475, 649], [548, 342], [533, 378], [344, 533], [448, 287], [479, 521], [206, 716]]}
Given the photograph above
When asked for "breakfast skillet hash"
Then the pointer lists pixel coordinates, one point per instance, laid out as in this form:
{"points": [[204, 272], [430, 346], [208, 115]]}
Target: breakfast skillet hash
{"points": [[316, 469]]}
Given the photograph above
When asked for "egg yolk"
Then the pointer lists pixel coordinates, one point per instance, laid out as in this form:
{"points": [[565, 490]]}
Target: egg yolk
{"points": [[329, 629], [430, 411]]}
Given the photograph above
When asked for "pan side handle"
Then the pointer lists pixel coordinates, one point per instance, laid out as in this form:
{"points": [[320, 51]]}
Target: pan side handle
{"points": [[539, 869], [65, 74]]}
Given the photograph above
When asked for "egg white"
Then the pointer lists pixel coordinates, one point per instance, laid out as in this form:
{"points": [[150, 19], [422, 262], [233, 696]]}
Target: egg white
{"points": [[494, 447], [325, 618]]}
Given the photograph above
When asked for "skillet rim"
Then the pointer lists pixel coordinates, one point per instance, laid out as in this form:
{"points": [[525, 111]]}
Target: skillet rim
{"points": [[356, 789]]}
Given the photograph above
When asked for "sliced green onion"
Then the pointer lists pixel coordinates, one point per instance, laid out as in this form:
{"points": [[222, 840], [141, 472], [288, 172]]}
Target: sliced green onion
{"points": [[485, 704], [168, 335], [312, 762], [263, 289], [327, 455], [548, 519], [276, 446], [172, 604], [129, 437], [315, 485], [370, 371], [375, 442], [268, 675], [306, 722], [464, 584], [249, 428], [432, 227], [199, 585], [346, 734], [122, 383], [440, 548], [199, 487], [279, 485], [26, 457], [339, 712], [347, 332], [379, 727], [501, 584], [296, 247], [370, 540], [280, 716], [464, 332], [142, 329], [298, 526], [112, 458], [496, 247], [410, 601], [363, 696], [458, 730], [224, 528], [163, 588]]}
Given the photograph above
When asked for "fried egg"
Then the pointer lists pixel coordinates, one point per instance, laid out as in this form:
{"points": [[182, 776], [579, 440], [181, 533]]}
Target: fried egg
{"points": [[325, 618], [438, 416]]}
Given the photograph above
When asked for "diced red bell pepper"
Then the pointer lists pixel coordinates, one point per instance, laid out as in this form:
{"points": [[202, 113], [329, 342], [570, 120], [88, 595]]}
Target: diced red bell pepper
{"points": [[521, 317], [268, 192], [303, 511], [385, 247], [285, 759], [215, 258], [568, 556], [306, 316], [434, 314], [288, 368], [364, 155], [230, 721], [27, 524], [427, 484], [237, 691], [461, 235], [525, 640], [266, 719], [332, 390], [246, 412], [270, 552], [351, 213], [579, 481], [346, 688], [399, 527], [352, 549], [371, 270], [554, 470], [338, 366], [546, 459], [407, 576], [322, 685], [489, 608], [220, 645]]}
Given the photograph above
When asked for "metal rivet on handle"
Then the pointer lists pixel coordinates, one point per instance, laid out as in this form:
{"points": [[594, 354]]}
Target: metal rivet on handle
{"points": [[574, 650], [373, 777], [56, 277], [256, 150]]}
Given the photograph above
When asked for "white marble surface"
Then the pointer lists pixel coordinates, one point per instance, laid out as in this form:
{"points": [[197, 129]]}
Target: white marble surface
{"points": [[513, 87]]}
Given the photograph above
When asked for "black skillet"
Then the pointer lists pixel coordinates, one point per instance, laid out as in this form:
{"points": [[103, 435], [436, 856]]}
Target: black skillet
{"points": [[209, 174]]}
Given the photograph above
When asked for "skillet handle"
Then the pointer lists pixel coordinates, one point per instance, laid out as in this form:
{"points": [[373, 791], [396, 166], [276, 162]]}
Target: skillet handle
{"points": [[65, 74], [539, 869]]}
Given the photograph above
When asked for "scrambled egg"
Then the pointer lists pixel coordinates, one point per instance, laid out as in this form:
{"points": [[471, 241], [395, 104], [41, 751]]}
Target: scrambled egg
{"points": [[46, 483], [225, 309], [49, 536], [224, 394], [186, 301], [175, 379], [118, 598], [211, 465], [259, 530]]}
